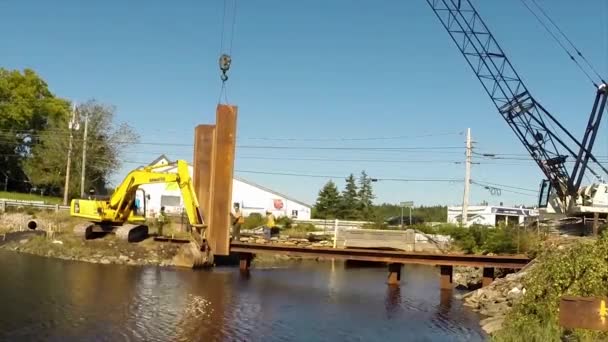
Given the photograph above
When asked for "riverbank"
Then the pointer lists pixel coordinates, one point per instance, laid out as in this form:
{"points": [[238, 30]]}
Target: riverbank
{"points": [[524, 306], [106, 250]]}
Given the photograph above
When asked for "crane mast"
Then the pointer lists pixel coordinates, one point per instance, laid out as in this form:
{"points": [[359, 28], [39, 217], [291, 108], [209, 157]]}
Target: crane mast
{"points": [[528, 119]]}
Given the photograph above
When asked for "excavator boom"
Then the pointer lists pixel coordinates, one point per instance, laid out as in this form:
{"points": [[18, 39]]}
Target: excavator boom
{"points": [[118, 209]]}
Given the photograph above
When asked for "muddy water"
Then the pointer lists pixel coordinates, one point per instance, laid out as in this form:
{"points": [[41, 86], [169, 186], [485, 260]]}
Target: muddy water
{"points": [[54, 300]]}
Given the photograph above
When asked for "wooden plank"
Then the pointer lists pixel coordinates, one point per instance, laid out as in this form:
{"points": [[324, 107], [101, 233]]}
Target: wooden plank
{"points": [[222, 175], [583, 312], [203, 160]]}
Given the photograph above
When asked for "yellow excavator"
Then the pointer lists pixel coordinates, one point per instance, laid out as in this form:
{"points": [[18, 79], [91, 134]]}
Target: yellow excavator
{"points": [[117, 213]]}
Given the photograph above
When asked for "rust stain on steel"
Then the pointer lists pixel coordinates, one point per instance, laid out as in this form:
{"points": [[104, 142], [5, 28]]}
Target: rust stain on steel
{"points": [[223, 172], [584, 313], [446, 272], [203, 156], [245, 261], [394, 273], [502, 261]]}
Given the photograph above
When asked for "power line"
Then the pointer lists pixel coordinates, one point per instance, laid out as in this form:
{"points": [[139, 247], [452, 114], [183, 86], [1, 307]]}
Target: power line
{"points": [[558, 41], [334, 176], [508, 186], [292, 147], [568, 40], [353, 139], [296, 139], [488, 187]]}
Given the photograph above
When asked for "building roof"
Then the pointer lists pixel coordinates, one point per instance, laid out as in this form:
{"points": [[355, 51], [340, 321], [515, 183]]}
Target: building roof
{"points": [[272, 191], [171, 166], [159, 159]]}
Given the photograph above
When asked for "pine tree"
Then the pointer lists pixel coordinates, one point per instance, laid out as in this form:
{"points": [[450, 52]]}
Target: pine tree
{"points": [[328, 201], [366, 196], [349, 209]]}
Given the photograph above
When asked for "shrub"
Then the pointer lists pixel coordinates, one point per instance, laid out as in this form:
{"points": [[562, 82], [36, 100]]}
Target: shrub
{"points": [[305, 227], [284, 221], [253, 220], [578, 270], [377, 224]]}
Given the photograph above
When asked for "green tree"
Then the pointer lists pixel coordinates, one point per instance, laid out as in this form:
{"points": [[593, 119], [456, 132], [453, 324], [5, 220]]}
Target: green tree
{"points": [[26, 108], [424, 213], [106, 140], [328, 201], [349, 208], [366, 197]]}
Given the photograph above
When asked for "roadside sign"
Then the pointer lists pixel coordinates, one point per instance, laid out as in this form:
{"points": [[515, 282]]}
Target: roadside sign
{"points": [[407, 204]]}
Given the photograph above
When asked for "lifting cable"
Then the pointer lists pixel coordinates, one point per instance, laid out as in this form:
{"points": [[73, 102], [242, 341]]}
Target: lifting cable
{"points": [[226, 40], [558, 41]]}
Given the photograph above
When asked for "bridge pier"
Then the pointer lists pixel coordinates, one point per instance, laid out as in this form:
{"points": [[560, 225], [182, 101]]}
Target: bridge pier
{"points": [[445, 280], [245, 262], [488, 276], [394, 273]]}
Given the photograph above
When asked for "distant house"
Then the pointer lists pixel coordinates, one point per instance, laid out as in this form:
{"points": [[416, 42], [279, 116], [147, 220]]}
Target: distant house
{"points": [[252, 198], [492, 215]]}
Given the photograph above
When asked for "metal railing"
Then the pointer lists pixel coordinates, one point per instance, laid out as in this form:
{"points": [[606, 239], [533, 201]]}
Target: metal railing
{"points": [[330, 224], [31, 204]]}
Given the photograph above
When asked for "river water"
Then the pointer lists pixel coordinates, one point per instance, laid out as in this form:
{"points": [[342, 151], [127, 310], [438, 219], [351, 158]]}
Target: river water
{"points": [[45, 299]]}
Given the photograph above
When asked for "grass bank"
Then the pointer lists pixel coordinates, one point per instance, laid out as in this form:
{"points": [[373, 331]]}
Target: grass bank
{"points": [[30, 197]]}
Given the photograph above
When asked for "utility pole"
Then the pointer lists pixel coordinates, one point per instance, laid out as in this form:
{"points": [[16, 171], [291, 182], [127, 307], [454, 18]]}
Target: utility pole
{"points": [[72, 125], [84, 155], [467, 179]]}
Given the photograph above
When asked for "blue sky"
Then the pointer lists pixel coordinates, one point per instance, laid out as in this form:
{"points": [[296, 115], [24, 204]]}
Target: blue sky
{"points": [[313, 70]]}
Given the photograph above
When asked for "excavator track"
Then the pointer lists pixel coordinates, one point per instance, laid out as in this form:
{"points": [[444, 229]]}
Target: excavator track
{"points": [[84, 230], [132, 232]]}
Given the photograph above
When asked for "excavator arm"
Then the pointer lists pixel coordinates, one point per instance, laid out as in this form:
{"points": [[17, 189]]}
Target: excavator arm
{"points": [[118, 209]]}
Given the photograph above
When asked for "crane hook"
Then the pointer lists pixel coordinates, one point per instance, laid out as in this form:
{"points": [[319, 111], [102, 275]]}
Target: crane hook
{"points": [[224, 62]]}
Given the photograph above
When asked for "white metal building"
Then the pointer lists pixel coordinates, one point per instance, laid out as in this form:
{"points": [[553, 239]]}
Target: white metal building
{"points": [[492, 215], [251, 197]]}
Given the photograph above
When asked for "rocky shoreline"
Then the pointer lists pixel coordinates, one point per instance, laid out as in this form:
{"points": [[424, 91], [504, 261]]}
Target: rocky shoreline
{"points": [[97, 252], [496, 300]]}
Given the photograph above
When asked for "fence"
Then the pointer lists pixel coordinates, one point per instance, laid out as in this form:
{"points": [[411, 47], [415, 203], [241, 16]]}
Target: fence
{"points": [[31, 204], [330, 225]]}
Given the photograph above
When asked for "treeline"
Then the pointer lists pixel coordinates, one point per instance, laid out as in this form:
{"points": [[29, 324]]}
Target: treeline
{"points": [[355, 202], [436, 213], [35, 136]]}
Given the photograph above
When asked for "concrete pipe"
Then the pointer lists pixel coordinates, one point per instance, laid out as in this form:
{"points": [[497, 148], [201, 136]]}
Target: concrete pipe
{"points": [[33, 224]]}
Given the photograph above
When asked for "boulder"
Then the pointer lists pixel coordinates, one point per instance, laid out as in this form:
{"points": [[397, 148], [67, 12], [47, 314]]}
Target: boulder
{"points": [[492, 324]]}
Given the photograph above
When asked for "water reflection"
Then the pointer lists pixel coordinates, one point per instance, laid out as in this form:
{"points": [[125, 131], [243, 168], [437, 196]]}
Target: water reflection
{"points": [[63, 301], [393, 301]]}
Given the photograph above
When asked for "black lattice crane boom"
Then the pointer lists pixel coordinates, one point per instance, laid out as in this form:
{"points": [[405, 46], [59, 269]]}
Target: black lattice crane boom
{"points": [[539, 131]]}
